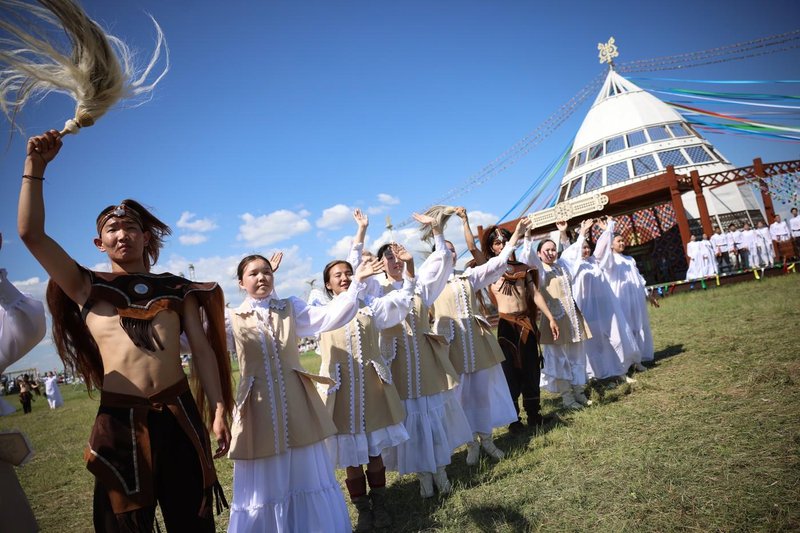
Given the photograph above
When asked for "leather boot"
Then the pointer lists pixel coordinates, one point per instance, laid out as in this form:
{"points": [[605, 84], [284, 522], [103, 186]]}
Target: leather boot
{"points": [[377, 495], [489, 447], [358, 495], [381, 517]]}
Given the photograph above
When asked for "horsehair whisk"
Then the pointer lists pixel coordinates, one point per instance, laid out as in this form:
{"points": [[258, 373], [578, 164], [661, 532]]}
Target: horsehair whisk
{"points": [[440, 213], [97, 70]]}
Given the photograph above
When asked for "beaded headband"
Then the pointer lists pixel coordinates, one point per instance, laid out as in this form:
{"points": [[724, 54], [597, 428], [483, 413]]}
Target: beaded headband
{"points": [[120, 211]]}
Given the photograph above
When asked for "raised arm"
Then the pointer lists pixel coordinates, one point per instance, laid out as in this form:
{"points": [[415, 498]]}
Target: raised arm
{"points": [[469, 238], [572, 255], [392, 308], [362, 222], [603, 252], [484, 275], [22, 324], [61, 268], [432, 275]]}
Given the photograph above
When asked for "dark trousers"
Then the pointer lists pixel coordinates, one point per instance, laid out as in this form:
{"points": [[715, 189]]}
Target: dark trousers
{"points": [[723, 262], [178, 486], [25, 399], [743, 258], [521, 367]]}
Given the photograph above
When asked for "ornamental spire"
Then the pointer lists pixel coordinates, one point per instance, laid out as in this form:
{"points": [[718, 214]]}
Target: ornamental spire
{"points": [[608, 51]]}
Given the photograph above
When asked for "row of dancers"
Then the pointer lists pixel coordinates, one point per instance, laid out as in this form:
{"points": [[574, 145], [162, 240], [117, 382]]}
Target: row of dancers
{"points": [[745, 248], [410, 371]]}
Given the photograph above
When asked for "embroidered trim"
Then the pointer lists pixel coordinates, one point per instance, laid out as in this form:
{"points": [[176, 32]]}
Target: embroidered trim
{"points": [[268, 372], [360, 359], [277, 360], [413, 316], [338, 379], [348, 335]]}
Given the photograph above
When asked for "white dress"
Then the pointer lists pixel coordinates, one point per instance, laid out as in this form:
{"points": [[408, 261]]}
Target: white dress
{"points": [[612, 344], [631, 289], [296, 490], [354, 448], [765, 252], [22, 326], [695, 269], [483, 394], [53, 393], [436, 423], [707, 257], [564, 362]]}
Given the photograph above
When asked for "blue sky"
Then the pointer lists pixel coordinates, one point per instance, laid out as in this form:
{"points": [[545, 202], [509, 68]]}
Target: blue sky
{"points": [[277, 118]]}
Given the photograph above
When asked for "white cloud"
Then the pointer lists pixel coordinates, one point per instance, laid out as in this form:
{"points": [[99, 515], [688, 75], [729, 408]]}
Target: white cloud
{"points": [[273, 227], [376, 210], [334, 217], [388, 199], [192, 239], [200, 225]]}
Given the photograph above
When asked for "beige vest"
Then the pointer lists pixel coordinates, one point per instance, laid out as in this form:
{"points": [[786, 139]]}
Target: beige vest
{"points": [[420, 360], [473, 347], [277, 404], [363, 398], [557, 292]]}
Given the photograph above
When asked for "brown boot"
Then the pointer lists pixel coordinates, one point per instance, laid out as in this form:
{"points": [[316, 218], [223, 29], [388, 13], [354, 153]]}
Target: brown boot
{"points": [[377, 494], [358, 495], [381, 517]]}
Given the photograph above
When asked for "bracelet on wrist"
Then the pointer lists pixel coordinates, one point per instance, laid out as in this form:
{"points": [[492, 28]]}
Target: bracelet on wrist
{"points": [[28, 176]]}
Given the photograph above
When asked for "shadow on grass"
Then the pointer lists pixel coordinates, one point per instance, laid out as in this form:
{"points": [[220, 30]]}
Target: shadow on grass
{"points": [[669, 351], [491, 517]]}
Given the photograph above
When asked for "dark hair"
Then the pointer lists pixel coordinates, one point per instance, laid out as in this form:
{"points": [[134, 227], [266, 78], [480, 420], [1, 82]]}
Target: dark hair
{"points": [[433, 248], [246, 261], [489, 236], [542, 243], [382, 250], [147, 221], [326, 274]]}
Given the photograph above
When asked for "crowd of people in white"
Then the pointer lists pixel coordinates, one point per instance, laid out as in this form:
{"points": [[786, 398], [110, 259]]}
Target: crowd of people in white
{"points": [[744, 248]]}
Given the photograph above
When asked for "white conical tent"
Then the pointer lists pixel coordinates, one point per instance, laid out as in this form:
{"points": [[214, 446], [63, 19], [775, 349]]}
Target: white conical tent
{"points": [[629, 135]]}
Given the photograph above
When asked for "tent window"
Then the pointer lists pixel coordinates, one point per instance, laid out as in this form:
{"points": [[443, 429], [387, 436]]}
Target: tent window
{"points": [[672, 157], [636, 138], [594, 180], [644, 165], [616, 173]]}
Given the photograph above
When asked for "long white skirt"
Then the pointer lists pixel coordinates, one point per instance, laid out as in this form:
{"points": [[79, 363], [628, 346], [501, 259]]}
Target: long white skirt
{"points": [[294, 491], [55, 399], [565, 363], [436, 426], [486, 400], [347, 449]]}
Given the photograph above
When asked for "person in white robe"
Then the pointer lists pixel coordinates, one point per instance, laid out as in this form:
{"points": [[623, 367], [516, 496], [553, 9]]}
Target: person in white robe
{"points": [[695, 269], [707, 257], [779, 231], [612, 345], [51, 390], [631, 289], [719, 242], [364, 402], [765, 251], [565, 354], [283, 478], [22, 326], [474, 351], [421, 369], [794, 230]]}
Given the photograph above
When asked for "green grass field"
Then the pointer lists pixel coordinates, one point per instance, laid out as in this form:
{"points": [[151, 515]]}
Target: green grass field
{"points": [[707, 440]]}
